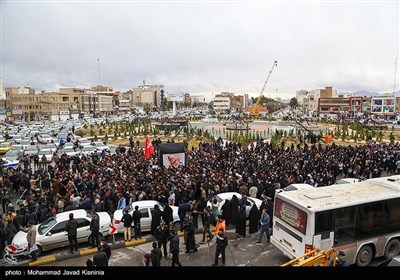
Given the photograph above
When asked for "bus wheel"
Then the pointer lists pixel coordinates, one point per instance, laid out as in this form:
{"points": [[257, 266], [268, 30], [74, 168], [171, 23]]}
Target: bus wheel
{"points": [[364, 256], [392, 249]]}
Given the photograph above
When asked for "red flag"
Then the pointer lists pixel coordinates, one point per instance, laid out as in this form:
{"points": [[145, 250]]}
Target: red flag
{"points": [[149, 149]]}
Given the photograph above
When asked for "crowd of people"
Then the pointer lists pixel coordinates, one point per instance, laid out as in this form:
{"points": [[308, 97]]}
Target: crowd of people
{"points": [[97, 183]]}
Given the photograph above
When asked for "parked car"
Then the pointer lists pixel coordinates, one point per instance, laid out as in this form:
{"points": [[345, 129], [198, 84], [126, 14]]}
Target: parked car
{"points": [[87, 150], [146, 207], [69, 151], [100, 146], [31, 150], [7, 163], [83, 142], [13, 155], [52, 147], [47, 153], [5, 147], [51, 234], [294, 187], [44, 138], [221, 197]]}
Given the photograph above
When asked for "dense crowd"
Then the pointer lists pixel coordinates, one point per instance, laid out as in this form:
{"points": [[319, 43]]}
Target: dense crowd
{"points": [[107, 183]]}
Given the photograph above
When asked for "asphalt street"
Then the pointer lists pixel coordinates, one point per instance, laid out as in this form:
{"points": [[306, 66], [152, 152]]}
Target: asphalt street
{"points": [[240, 252]]}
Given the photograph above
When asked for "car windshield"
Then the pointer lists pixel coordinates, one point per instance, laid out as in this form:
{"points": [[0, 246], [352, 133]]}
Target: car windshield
{"points": [[45, 152], [4, 145], [43, 227], [12, 153], [31, 148], [69, 150], [219, 199], [88, 148]]}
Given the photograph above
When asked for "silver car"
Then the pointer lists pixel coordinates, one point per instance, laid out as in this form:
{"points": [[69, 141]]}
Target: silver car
{"points": [[51, 234]]}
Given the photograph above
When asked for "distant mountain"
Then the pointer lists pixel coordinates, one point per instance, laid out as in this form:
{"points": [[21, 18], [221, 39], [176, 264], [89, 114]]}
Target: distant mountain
{"points": [[371, 93], [367, 93]]}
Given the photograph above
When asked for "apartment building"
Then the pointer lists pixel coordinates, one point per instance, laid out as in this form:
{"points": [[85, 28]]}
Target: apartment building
{"points": [[42, 106]]}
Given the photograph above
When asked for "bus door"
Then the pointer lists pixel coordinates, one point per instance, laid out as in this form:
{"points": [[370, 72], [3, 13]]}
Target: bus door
{"points": [[324, 240], [324, 235]]}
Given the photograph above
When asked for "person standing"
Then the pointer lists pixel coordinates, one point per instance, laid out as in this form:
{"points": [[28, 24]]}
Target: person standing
{"points": [[264, 226], [31, 238], [156, 255], [100, 258], [221, 244], [174, 249], [161, 235], [127, 220], [106, 249], [71, 229], [206, 225], [137, 215], [94, 228]]}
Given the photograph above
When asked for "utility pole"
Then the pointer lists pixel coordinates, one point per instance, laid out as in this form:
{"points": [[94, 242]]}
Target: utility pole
{"points": [[98, 62]]}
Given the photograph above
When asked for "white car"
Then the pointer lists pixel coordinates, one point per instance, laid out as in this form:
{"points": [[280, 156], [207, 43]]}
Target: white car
{"points": [[69, 151], [52, 147], [100, 146], [87, 150], [146, 207], [295, 187], [7, 163], [51, 234], [44, 138], [47, 153], [221, 197], [83, 142]]}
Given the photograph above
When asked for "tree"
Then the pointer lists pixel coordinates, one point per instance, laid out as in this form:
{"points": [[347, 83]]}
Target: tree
{"points": [[147, 108], [293, 102]]}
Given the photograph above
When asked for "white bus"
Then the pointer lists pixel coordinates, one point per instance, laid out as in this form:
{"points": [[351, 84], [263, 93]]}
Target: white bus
{"points": [[361, 219]]}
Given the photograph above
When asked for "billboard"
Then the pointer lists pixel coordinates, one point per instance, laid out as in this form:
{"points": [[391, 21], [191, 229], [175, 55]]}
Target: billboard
{"points": [[176, 96], [172, 154]]}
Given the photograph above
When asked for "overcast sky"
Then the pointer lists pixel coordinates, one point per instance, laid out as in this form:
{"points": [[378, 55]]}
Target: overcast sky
{"points": [[202, 46]]}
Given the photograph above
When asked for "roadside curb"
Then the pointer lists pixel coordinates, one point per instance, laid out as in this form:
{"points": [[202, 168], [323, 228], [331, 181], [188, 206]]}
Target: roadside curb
{"points": [[90, 251]]}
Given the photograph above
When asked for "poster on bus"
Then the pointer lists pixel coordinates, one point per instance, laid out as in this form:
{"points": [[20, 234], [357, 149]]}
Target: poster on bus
{"points": [[291, 215]]}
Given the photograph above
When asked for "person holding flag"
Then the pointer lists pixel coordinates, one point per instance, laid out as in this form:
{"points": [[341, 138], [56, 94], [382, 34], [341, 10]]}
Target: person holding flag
{"points": [[149, 149]]}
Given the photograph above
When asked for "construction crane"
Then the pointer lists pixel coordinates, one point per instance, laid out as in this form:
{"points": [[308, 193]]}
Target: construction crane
{"points": [[314, 257], [254, 112]]}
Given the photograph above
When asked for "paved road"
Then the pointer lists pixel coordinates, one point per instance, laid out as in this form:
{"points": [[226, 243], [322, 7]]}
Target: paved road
{"points": [[240, 252]]}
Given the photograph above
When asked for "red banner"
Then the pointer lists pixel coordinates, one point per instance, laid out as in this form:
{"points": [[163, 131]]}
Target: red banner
{"points": [[149, 149]]}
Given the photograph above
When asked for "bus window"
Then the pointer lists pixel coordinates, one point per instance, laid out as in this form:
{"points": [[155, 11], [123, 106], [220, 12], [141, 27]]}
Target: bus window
{"points": [[323, 222], [344, 225], [392, 207], [369, 220]]}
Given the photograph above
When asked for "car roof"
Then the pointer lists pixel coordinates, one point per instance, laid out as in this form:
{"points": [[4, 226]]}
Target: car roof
{"points": [[228, 195], [293, 187], [80, 213], [145, 203]]}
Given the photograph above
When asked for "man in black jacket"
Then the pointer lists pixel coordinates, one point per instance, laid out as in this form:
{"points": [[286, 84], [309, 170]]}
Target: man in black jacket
{"points": [[174, 249], [161, 235], [94, 228], [100, 258], [137, 215], [127, 220], [71, 229]]}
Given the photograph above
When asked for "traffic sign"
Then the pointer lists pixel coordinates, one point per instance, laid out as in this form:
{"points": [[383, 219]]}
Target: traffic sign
{"points": [[112, 229]]}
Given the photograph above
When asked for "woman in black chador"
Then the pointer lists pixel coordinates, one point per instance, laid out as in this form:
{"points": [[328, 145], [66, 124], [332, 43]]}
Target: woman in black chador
{"points": [[167, 215], [226, 212], [234, 210], [254, 216], [241, 224], [156, 218]]}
